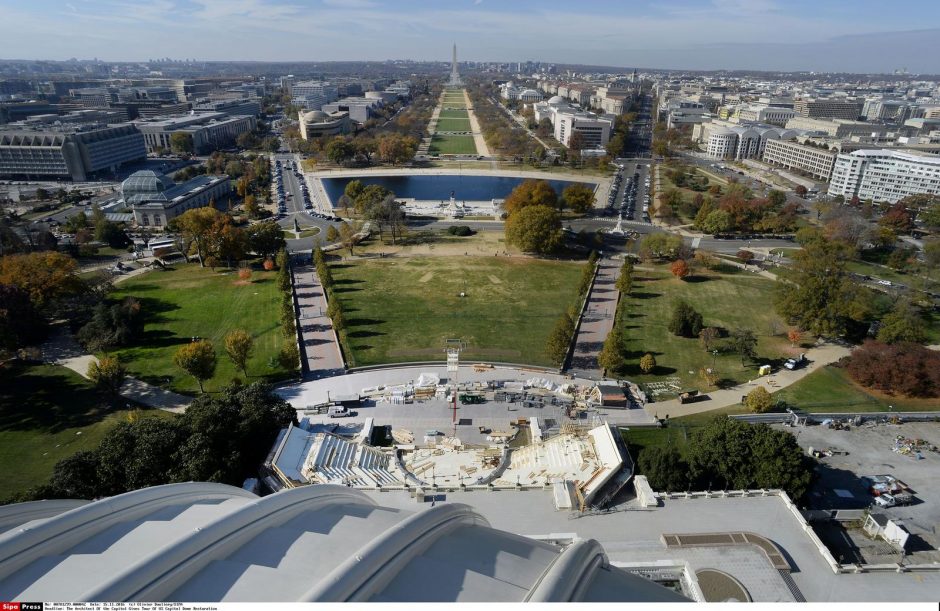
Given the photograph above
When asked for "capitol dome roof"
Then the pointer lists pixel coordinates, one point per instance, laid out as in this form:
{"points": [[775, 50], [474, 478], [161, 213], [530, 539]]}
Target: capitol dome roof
{"points": [[213, 543]]}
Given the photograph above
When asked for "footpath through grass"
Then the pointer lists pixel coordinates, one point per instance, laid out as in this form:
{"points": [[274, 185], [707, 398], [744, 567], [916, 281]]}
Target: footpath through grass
{"points": [[453, 145], [48, 414], [404, 309], [728, 300], [188, 301]]}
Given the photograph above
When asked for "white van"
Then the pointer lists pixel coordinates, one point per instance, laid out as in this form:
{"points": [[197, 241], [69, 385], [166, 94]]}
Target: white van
{"points": [[337, 411]]}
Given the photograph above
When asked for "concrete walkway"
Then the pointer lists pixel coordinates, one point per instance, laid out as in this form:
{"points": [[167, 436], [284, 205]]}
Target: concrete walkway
{"points": [[597, 322], [322, 356], [478, 140], [62, 349], [819, 357]]}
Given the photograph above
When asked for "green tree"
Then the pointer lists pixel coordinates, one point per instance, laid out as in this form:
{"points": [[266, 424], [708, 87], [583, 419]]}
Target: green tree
{"points": [[734, 455], [288, 357], [610, 358], [903, 323], [685, 321], [239, 345], [578, 197], [534, 229], [560, 339], [759, 400], [107, 374], [76, 477], [818, 296], [266, 238], [717, 221], [20, 322], [647, 363], [181, 143], [664, 468], [198, 359], [625, 279], [776, 198], [331, 233], [744, 342]]}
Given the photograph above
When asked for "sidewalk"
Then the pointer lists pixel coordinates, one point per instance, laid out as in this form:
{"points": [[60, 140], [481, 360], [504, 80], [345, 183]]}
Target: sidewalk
{"points": [[322, 356], [818, 357], [478, 140], [597, 322], [62, 349]]}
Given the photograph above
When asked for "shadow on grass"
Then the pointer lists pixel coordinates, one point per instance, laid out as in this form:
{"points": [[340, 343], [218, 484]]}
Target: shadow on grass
{"points": [[363, 333], [698, 279], [645, 295], [363, 322], [47, 398]]}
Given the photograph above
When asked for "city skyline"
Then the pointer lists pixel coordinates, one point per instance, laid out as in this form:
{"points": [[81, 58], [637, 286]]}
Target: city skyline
{"points": [[692, 34]]}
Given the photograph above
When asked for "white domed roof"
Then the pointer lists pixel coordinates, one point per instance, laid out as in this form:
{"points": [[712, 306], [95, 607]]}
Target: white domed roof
{"points": [[323, 543], [530, 92], [315, 115], [556, 99]]}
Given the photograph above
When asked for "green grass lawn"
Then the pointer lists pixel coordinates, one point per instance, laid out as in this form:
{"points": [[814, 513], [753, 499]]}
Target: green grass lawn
{"points": [[449, 113], [190, 301], [403, 310], [453, 145], [453, 125], [48, 414], [728, 300], [831, 389], [880, 272]]}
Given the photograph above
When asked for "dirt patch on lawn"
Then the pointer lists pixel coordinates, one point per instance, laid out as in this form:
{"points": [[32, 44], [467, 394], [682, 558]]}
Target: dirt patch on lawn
{"points": [[427, 277]]}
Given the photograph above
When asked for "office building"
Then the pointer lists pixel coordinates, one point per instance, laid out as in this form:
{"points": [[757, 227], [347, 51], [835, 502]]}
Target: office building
{"points": [[803, 157], [828, 108], [885, 175], [209, 130], [245, 107], [69, 152], [328, 91], [316, 123], [155, 200], [837, 128], [360, 109], [728, 140], [770, 115]]}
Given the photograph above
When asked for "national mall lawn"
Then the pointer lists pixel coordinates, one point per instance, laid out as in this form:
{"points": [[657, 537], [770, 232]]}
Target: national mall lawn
{"points": [[188, 301], [404, 308]]}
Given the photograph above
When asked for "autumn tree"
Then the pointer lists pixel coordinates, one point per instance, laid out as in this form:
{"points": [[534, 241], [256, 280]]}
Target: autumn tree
{"points": [[795, 336], [181, 143], [625, 279], [347, 236], [680, 269], [197, 227], [903, 368], [759, 400], [331, 233], [534, 229], [647, 363], [239, 345], [198, 359], [610, 358], [20, 322], [107, 374], [579, 197], [44, 276], [745, 256], [530, 193]]}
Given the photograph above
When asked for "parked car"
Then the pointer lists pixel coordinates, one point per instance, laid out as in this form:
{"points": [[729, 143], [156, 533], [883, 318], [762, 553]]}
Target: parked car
{"points": [[796, 363]]}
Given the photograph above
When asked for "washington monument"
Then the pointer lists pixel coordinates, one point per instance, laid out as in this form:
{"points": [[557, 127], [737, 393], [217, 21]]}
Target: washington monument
{"points": [[454, 75]]}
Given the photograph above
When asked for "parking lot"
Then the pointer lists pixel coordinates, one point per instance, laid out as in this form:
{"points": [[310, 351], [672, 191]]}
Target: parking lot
{"points": [[870, 451], [628, 196]]}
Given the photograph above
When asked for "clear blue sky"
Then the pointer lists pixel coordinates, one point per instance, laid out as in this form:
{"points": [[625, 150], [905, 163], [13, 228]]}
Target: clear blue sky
{"points": [[849, 35]]}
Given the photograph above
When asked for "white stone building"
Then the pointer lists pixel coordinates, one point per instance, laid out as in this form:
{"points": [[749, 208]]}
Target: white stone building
{"points": [[885, 175]]}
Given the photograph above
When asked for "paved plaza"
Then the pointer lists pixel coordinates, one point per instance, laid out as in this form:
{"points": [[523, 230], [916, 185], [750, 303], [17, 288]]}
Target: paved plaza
{"points": [[321, 353]]}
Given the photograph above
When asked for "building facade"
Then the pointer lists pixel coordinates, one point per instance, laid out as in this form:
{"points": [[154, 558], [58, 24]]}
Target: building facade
{"points": [[792, 155], [828, 108], [155, 200], [317, 123], [885, 175], [209, 131], [72, 154], [771, 115]]}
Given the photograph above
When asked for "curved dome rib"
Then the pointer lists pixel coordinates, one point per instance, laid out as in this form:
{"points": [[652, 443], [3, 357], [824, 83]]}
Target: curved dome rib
{"points": [[21, 547], [571, 573], [158, 575], [363, 574]]}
